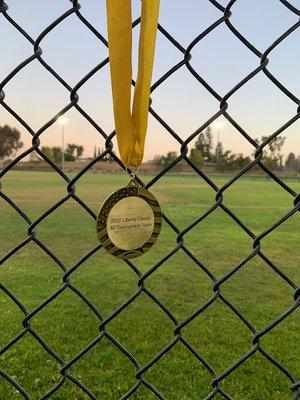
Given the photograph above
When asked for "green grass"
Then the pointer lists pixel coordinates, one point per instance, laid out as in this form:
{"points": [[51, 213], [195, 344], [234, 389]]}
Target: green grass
{"points": [[68, 325]]}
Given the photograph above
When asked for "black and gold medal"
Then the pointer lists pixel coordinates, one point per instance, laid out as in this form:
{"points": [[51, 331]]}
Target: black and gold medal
{"points": [[129, 221]]}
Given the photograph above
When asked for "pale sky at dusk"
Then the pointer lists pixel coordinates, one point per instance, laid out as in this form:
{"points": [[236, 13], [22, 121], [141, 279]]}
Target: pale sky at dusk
{"points": [[72, 50]]}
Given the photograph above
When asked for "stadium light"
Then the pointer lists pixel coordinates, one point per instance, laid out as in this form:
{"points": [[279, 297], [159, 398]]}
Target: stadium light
{"points": [[62, 120], [218, 125]]}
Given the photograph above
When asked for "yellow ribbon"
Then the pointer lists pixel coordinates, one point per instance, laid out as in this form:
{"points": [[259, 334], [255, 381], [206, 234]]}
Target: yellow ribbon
{"points": [[131, 127]]}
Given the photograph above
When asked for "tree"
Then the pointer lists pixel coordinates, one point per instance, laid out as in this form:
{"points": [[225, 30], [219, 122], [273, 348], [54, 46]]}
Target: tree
{"points": [[169, 158], [56, 154], [69, 157], [71, 147], [197, 157], [241, 161], [275, 147], [204, 143], [225, 160], [273, 155], [53, 153], [48, 152], [73, 151], [79, 151], [157, 160], [165, 160], [9, 141], [298, 164], [291, 162], [218, 152]]}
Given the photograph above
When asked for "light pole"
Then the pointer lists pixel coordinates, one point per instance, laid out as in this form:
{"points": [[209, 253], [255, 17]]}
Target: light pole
{"points": [[62, 121], [218, 125]]}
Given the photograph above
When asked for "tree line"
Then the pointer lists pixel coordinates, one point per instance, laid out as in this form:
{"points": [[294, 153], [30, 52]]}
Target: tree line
{"points": [[204, 153], [10, 143], [71, 153]]}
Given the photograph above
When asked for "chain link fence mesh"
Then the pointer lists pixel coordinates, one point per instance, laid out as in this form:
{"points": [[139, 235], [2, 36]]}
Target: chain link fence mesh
{"points": [[216, 379]]}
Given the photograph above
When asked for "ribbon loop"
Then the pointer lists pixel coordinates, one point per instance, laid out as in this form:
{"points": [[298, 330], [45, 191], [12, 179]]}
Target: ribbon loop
{"points": [[131, 122]]}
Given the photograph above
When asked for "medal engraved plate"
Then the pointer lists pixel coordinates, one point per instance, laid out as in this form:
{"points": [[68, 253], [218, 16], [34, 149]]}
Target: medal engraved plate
{"points": [[129, 221]]}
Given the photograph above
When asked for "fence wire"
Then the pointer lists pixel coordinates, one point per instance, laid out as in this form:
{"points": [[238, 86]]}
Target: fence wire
{"points": [[185, 62]]}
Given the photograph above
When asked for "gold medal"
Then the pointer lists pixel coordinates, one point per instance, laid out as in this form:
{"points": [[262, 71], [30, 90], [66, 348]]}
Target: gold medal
{"points": [[129, 221]]}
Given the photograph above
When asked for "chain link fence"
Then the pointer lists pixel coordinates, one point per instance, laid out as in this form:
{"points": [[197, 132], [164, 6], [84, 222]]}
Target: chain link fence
{"points": [[216, 379]]}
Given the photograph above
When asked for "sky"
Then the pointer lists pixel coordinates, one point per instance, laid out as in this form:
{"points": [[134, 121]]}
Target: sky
{"points": [[72, 50]]}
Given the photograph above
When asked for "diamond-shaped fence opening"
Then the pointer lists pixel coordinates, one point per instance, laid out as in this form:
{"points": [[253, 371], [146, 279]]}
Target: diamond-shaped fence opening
{"points": [[108, 344]]}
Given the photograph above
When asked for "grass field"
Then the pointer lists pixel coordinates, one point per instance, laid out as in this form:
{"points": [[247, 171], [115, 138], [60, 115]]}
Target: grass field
{"points": [[68, 325]]}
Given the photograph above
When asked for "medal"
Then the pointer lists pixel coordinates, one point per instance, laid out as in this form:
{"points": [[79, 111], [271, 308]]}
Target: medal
{"points": [[130, 219]]}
